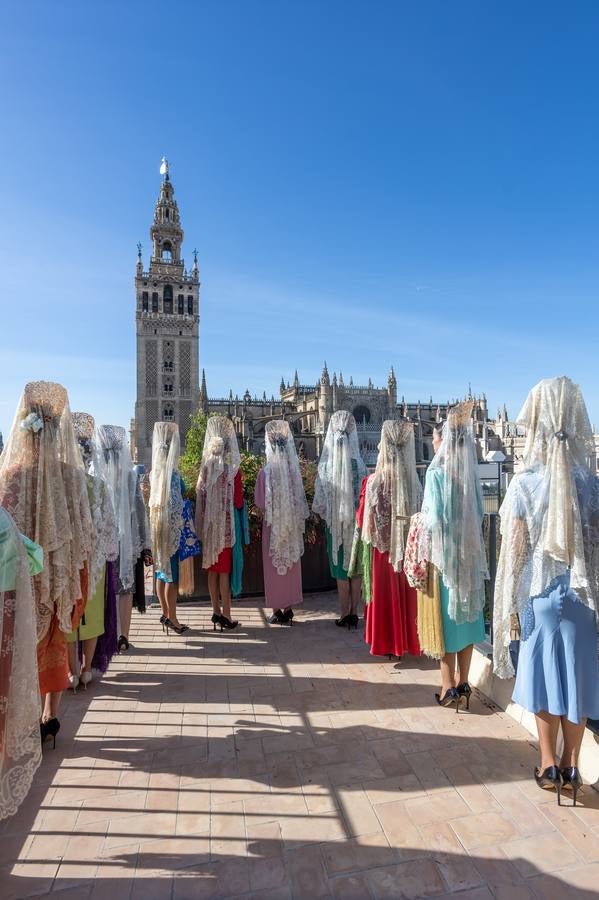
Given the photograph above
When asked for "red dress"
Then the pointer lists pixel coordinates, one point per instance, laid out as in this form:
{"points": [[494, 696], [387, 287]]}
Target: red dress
{"points": [[224, 563], [391, 614]]}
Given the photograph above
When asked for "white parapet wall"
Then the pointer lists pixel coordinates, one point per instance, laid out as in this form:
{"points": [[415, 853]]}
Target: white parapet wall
{"points": [[499, 690]]}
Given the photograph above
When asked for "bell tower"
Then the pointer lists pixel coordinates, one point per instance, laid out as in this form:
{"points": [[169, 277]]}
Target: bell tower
{"points": [[167, 327]]}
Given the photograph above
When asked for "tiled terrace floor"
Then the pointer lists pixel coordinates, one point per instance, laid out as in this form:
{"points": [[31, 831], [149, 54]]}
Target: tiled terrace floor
{"points": [[288, 763]]}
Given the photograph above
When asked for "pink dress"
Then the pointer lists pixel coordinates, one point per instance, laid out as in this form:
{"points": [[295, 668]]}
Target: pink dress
{"points": [[280, 591]]}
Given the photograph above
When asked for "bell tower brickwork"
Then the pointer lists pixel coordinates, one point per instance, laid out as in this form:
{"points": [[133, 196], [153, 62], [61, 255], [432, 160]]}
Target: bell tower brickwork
{"points": [[167, 327]]}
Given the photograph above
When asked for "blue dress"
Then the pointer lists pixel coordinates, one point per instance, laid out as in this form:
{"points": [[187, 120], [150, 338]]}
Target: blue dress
{"points": [[557, 665], [455, 636], [557, 669]]}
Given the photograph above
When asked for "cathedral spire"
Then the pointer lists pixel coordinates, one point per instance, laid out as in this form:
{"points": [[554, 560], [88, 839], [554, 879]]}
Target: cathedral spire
{"points": [[204, 394]]}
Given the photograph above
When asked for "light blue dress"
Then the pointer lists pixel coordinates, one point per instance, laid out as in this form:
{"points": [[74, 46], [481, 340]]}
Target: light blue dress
{"points": [[176, 484], [557, 668], [456, 636]]}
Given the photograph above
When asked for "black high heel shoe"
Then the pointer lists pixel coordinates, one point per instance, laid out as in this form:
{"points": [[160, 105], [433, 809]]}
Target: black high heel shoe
{"points": [[571, 781], [277, 618], [550, 780], [123, 644], [178, 629], [162, 621], [215, 620], [449, 698], [287, 617], [344, 621], [354, 621], [50, 729], [229, 624], [465, 692]]}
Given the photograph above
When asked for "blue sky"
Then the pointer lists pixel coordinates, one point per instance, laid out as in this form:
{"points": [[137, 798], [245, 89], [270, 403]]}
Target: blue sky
{"points": [[373, 183]]}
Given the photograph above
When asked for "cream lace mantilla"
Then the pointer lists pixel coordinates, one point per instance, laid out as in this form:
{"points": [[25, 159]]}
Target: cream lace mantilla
{"points": [[286, 507], [453, 513], [550, 515], [20, 748], [334, 499], [393, 493], [43, 486], [105, 537], [215, 518], [123, 484], [166, 502]]}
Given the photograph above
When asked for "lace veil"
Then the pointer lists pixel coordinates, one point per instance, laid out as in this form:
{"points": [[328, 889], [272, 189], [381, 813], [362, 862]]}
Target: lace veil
{"points": [[286, 507], [20, 748], [166, 502], [105, 543], [550, 515], [453, 512], [122, 482], [334, 498], [215, 519], [393, 493], [43, 487]]}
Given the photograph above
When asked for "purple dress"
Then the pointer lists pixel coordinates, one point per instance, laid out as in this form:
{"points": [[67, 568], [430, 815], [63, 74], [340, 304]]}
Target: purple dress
{"points": [[280, 591]]}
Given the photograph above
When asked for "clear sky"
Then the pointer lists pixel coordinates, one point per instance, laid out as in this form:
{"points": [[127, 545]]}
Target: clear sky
{"points": [[373, 183]]}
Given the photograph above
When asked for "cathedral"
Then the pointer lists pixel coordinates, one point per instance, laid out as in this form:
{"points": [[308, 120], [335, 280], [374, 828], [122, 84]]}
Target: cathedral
{"points": [[308, 409]]}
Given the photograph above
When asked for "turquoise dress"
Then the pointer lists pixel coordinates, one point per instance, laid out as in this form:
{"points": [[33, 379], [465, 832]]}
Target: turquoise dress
{"points": [[336, 565], [456, 636]]}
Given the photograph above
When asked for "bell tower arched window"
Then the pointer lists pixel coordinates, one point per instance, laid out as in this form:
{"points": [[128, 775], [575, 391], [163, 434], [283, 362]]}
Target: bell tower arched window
{"points": [[167, 299], [168, 413], [166, 252], [180, 304]]}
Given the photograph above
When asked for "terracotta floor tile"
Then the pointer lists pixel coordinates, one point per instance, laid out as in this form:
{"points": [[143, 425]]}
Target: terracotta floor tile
{"points": [[541, 853], [484, 829], [440, 808], [417, 878], [366, 852]]}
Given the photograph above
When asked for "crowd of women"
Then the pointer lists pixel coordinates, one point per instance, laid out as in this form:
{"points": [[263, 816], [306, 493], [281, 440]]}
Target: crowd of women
{"points": [[79, 525]]}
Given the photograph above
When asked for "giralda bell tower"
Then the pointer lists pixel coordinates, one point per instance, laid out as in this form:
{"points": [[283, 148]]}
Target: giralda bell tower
{"points": [[168, 328]]}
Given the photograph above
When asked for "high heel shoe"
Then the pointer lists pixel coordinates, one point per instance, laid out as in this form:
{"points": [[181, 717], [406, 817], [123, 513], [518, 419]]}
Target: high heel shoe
{"points": [[178, 629], [74, 683], [288, 617], [277, 618], [215, 620], [344, 621], [85, 678], [465, 692], [123, 644], [162, 621], [571, 781], [229, 624], [49, 729], [353, 621], [550, 780], [449, 698]]}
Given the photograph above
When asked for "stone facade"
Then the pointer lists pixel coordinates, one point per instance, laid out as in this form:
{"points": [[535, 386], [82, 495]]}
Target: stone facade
{"points": [[308, 408], [168, 328]]}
